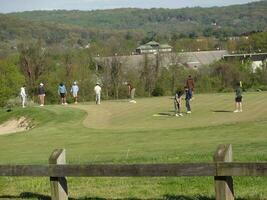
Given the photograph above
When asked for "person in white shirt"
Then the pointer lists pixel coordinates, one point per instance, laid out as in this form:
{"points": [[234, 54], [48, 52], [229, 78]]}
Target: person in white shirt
{"points": [[23, 95], [97, 93], [74, 90]]}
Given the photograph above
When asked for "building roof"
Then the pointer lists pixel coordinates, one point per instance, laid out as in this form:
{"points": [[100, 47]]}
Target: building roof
{"points": [[153, 43], [144, 47], [165, 46], [191, 59]]}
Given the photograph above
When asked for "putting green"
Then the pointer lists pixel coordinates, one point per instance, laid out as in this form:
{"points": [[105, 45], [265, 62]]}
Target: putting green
{"points": [[157, 113]]}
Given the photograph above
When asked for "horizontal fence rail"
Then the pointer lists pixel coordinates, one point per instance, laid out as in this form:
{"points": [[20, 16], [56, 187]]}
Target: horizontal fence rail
{"points": [[154, 170]]}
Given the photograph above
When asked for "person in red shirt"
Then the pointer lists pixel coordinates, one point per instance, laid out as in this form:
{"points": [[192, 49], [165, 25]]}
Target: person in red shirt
{"points": [[190, 84], [131, 92]]}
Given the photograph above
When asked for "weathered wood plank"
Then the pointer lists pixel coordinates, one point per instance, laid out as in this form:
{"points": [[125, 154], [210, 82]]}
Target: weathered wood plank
{"points": [[59, 187], [24, 170], [242, 169], [224, 188], [195, 169], [138, 170]]}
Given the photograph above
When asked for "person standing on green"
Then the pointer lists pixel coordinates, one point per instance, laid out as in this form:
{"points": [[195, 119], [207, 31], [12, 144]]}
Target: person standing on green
{"points": [[74, 90], [23, 95], [131, 92], [62, 92], [238, 98], [190, 84], [188, 96], [97, 90], [41, 94]]}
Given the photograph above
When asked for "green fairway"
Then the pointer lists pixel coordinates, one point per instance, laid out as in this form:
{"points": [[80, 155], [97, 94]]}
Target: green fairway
{"points": [[121, 132]]}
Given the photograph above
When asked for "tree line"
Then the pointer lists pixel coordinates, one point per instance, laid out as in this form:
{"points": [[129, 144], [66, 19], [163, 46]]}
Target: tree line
{"points": [[35, 63]]}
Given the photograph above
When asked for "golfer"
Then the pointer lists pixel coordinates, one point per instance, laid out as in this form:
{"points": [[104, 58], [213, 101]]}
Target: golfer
{"points": [[178, 102], [23, 95], [74, 90], [97, 90], [188, 96], [131, 92], [62, 92], [238, 97], [190, 84], [41, 94]]}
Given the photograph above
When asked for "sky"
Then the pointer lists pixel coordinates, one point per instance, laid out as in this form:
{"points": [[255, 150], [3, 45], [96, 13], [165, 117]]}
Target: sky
{"points": [[7, 6]]}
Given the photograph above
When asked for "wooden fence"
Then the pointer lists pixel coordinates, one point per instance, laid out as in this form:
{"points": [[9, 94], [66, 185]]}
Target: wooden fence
{"points": [[222, 169]]}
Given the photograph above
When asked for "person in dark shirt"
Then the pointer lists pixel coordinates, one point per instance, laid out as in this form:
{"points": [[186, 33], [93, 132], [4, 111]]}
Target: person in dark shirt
{"points": [[41, 94], [178, 102], [238, 98], [62, 92]]}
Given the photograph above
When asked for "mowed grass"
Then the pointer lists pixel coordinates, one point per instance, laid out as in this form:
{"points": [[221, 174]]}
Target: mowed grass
{"points": [[121, 132]]}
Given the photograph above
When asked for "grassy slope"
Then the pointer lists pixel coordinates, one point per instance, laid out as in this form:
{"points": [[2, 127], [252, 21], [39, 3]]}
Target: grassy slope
{"points": [[119, 132]]}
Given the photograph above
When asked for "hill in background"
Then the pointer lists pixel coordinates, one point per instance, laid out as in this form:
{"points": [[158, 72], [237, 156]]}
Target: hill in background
{"points": [[130, 27]]}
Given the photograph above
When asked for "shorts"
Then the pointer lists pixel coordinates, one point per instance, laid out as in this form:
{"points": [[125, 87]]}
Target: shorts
{"points": [[238, 99], [62, 95], [75, 94]]}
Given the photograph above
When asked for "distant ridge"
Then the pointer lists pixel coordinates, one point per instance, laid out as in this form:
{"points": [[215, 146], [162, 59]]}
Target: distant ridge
{"points": [[130, 26], [246, 17]]}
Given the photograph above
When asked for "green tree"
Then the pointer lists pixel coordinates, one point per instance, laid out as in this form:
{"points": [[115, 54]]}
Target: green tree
{"points": [[11, 80]]}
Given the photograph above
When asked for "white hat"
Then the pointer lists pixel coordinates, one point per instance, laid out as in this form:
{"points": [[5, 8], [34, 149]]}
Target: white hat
{"points": [[74, 82], [41, 84]]}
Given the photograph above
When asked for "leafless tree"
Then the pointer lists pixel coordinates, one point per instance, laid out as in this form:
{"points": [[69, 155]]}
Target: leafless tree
{"points": [[148, 74], [32, 62], [175, 67], [116, 74]]}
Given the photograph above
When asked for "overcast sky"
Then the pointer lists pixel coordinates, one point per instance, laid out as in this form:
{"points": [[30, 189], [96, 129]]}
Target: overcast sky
{"points": [[27, 5]]}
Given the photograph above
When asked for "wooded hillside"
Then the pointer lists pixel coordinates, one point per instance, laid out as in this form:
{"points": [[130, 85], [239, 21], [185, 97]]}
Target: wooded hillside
{"points": [[131, 27]]}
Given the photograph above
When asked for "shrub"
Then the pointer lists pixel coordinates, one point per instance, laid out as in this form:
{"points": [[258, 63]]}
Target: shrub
{"points": [[158, 91]]}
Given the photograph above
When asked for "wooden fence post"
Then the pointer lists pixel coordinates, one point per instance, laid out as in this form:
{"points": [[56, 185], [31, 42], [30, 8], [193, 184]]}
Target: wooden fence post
{"points": [[224, 189], [59, 187]]}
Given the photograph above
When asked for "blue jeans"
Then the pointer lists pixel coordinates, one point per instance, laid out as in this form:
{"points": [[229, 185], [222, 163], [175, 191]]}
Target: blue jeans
{"points": [[187, 104]]}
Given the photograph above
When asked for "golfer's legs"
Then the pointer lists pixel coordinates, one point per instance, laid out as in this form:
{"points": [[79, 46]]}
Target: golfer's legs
{"points": [[97, 100], [175, 107], [188, 105], [23, 101], [43, 99], [132, 93], [179, 107]]}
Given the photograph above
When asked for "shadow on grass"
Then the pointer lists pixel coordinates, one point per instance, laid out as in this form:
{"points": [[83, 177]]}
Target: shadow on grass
{"points": [[163, 114], [222, 111], [29, 195]]}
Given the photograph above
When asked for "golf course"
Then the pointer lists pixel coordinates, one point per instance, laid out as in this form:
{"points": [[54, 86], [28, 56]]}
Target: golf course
{"points": [[119, 132]]}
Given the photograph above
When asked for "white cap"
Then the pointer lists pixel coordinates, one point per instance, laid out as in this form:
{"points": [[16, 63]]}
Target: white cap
{"points": [[74, 82], [41, 84]]}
